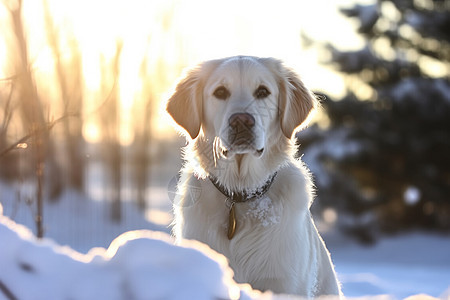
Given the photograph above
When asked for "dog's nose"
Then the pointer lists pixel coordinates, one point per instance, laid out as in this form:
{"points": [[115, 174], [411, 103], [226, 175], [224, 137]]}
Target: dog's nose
{"points": [[244, 120]]}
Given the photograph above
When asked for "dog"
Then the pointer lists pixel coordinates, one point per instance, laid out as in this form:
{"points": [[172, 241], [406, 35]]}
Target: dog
{"points": [[240, 190]]}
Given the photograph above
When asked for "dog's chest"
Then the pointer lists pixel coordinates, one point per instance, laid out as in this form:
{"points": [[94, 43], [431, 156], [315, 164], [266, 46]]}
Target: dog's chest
{"points": [[257, 223]]}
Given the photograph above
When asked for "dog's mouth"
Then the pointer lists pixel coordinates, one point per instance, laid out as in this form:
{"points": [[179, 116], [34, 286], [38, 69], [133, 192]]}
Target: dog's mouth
{"points": [[230, 152], [242, 142]]}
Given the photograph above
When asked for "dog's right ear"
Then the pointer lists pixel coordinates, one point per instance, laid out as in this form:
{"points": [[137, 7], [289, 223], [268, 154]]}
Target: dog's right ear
{"points": [[185, 104], [296, 102]]}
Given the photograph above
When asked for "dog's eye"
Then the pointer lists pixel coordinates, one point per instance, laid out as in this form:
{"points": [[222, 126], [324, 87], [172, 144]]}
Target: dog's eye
{"points": [[261, 92], [221, 93]]}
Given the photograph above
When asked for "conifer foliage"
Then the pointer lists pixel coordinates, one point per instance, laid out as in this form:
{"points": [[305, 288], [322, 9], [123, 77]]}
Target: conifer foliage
{"points": [[383, 163]]}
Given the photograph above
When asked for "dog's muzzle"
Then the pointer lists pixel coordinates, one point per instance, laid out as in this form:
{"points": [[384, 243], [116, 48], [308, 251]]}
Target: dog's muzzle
{"points": [[241, 135]]}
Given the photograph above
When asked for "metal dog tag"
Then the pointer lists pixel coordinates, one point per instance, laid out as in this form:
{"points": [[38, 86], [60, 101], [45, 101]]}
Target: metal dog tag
{"points": [[231, 221]]}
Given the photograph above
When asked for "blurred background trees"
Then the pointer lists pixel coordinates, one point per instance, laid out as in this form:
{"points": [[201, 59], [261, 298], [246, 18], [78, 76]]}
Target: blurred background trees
{"points": [[382, 160], [47, 112]]}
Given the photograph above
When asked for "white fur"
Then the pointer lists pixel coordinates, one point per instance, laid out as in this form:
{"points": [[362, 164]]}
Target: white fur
{"points": [[276, 245]]}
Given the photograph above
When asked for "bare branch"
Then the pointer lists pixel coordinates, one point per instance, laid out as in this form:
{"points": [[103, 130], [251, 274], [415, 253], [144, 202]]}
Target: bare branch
{"points": [[35, 132], [8, 111], [10, 78], [7, 292]]}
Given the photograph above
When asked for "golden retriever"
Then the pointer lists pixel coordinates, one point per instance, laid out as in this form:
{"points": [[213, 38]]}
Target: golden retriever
{"points": [[241, 191]]}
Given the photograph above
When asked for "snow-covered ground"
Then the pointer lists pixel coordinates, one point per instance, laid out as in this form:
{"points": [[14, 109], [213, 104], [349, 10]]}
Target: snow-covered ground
{"points": [[137, 265], [399, 266], [144, 264]]}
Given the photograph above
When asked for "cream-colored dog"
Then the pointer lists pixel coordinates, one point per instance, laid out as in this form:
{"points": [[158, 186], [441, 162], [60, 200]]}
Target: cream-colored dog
{"points": [[241, 191]]}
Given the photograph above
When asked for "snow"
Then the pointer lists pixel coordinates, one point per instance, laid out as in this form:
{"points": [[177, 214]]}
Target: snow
{"points": [[137, 265], [145, 264], [400, 266], [263, 211], [412, 195]]}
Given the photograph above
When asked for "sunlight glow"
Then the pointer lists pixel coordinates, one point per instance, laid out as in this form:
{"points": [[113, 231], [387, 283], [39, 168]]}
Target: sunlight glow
{"points": [[159, 217], [159, 38], [433, 67], [330, 215], [91, 132]]}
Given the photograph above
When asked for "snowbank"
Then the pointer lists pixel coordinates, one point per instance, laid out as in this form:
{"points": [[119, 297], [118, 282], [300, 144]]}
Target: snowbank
{"points": [[137, 265], [145, 264], [401, 266]]}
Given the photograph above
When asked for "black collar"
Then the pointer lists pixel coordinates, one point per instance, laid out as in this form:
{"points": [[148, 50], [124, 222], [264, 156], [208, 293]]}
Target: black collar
{"points": [[243, 196]]}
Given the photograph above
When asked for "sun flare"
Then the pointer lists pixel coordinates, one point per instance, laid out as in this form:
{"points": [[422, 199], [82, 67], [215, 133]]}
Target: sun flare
{"points": [[135, 50]]}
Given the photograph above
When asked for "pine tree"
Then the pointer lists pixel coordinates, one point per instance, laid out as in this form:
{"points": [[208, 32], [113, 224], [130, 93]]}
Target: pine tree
{"points": [[384, 163]]}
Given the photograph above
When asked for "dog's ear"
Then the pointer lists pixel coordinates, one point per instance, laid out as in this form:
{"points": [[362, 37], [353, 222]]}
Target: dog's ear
{"points": [[185, 104], [295, 102]]}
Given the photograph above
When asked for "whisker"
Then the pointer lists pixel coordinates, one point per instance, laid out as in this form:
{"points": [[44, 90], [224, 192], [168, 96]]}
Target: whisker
{"points": [[215, 150]]}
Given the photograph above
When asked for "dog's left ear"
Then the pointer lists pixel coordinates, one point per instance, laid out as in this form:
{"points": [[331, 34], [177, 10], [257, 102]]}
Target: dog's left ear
{"points": [[185, 105], [295, 102]]}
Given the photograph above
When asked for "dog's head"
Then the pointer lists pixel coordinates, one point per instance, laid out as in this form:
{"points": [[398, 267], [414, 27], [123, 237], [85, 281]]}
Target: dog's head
{"points": [[239, 101]]}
